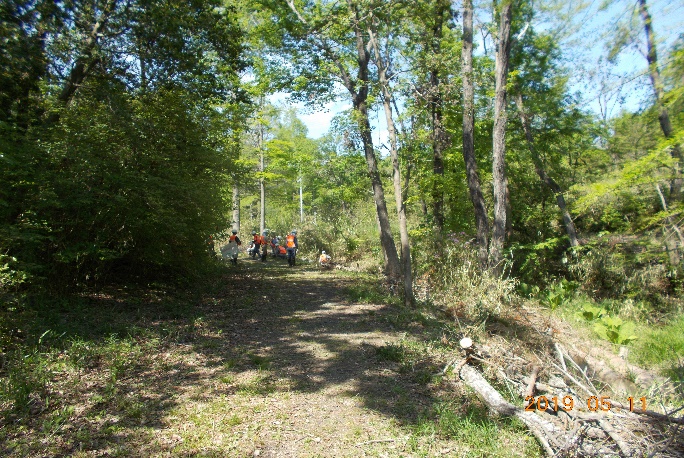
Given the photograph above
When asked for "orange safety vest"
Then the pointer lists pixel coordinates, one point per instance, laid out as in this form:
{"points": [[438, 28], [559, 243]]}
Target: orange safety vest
{"points": [[232, 238], [282, 249], [290, 241], [257, 239]]}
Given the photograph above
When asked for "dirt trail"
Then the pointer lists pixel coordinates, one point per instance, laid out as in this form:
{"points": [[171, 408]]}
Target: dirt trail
{"points": [[305, 372], [288, 366], [267, 361]]}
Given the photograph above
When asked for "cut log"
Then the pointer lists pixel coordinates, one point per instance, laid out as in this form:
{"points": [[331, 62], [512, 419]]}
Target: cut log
{"points": [[545, 431]]}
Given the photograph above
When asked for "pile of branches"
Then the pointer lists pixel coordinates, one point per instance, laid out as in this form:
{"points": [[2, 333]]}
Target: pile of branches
{"points": [[568, 415]]}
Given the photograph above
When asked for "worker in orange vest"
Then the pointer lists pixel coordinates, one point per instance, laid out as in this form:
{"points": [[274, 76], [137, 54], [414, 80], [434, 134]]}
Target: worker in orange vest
{"points": [[233, 243], [292, 246], [256, 239], [263, 241], [325, 260]]}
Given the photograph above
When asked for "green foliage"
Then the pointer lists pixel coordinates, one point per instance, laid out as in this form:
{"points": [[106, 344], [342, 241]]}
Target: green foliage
{"points": [[391, 352], [614, 330], [661, 345], [625, 268], [24, 385], [527, 290], [114, 154], [559, 294], [10, 277], [590, 312]]}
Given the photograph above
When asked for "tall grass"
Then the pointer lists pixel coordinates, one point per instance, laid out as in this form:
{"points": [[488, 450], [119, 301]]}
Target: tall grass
{"points": [[450, 277]]}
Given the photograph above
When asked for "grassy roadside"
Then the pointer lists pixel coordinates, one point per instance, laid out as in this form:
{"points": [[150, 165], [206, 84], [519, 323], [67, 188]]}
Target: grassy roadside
{"points": [[658, 340]]}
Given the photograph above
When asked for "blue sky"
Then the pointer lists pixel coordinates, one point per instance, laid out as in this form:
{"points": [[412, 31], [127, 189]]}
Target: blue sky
{"points": [[606, 89]]}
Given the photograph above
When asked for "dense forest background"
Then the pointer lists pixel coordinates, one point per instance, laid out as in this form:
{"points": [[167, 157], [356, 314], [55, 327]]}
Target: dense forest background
{"points": [[132, 133]]}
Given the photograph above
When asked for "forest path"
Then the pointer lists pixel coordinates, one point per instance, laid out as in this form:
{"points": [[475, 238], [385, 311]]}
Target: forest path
{"points": [[294, 369], [300, 362], [262, 360]]}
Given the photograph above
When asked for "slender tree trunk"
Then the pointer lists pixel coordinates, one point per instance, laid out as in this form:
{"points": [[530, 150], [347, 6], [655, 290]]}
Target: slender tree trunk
{"points": [[439, 135], [476, 197], [672, 248], [545, 178], [392, 265], [301, 200], [359, 97], [236, 206], [499, 179], [658, 89], [262, 185], [396, 176]]}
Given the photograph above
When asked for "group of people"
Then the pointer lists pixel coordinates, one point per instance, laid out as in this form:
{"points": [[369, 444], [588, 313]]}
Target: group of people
{"points": [[259, 247]]}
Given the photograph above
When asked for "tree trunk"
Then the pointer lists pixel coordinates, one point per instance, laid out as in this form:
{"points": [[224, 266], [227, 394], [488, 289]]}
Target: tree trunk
{"points": [[439, 135], [236, 206], [85, 62], [262, 185], [359, 97], [396, 176], [476, 197], [358, 89], [499, 139], [663, 115], [545, 178], [392, 265]]}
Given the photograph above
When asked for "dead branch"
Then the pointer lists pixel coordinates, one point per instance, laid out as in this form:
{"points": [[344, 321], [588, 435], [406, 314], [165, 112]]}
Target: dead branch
{"points": [[560, 356], [533, 379], [650, 413], [622, 445], [543, 430]]}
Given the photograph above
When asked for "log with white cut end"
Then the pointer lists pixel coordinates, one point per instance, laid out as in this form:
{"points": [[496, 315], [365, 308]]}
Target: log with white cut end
{"points": [[545, 431], [466, 343]]}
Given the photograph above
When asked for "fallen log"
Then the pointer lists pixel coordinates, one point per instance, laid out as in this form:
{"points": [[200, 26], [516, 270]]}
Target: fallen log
{"points": [[545, 431]]}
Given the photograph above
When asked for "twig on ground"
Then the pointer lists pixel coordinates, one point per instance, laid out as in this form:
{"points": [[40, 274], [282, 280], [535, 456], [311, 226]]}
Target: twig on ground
{"points": [[622, 445], [560, 355], [584, 374], [376, 441], [574, 380]]}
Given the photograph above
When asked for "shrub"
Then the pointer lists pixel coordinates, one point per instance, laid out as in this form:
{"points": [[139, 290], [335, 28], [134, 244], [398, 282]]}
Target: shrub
{"points": [[612, 329], [452, 278], [615, 269], [25, 382]]}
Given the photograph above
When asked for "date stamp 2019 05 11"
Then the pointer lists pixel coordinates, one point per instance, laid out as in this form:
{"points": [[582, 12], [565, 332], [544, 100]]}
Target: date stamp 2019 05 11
{"points": [[594, 403]]}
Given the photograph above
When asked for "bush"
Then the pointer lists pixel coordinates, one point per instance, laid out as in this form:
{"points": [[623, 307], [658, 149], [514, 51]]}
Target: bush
{"points": [[613, 269], [452, 278]]}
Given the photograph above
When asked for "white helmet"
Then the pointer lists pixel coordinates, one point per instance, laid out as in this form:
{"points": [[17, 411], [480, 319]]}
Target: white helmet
{"points": [[323, 252]]}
